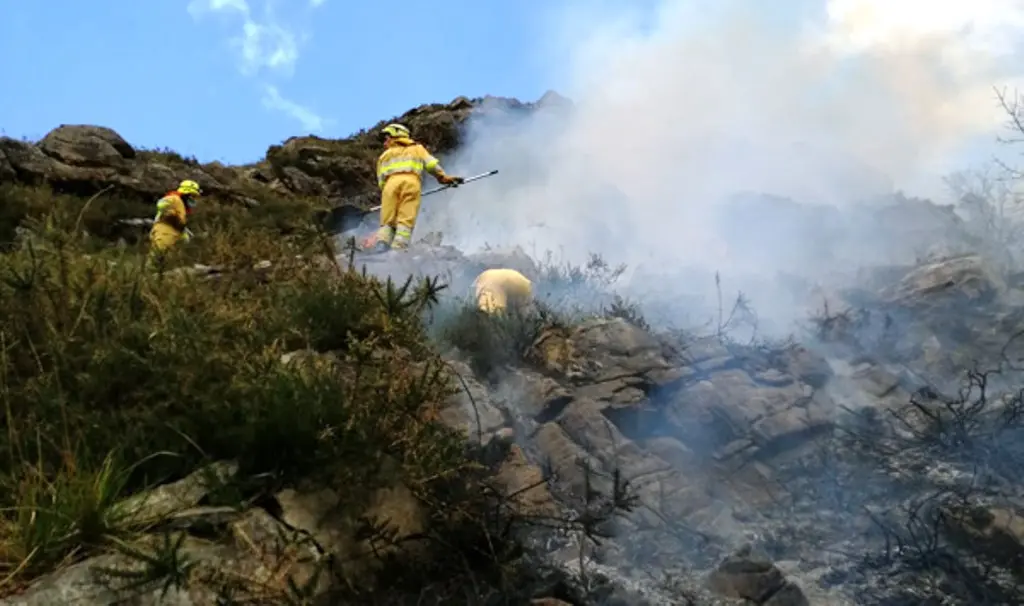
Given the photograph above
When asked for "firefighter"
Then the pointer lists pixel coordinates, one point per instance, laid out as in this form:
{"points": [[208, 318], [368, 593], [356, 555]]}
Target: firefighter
{"points": [[172, 211], [500, 290], [400, 170]]}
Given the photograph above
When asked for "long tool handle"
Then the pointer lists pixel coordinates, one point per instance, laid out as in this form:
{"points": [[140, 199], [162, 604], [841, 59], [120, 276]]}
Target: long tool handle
{"points": [[444, 187], [467, 180]]}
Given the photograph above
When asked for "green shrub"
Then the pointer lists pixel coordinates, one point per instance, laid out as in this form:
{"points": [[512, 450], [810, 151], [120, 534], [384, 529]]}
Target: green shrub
{"points": [[492, 343], [114, 377]]}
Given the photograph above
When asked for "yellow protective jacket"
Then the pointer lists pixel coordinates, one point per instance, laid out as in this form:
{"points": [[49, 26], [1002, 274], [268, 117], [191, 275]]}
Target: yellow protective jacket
{"points": [[169, 223], [403, 155], [499, 289]]}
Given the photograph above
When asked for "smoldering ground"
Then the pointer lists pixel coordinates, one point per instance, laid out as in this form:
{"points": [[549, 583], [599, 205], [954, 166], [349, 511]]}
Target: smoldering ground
{"points": [[705, 140]]}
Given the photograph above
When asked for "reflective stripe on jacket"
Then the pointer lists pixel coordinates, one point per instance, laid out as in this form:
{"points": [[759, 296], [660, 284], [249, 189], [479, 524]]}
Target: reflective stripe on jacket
{"points": [[405, 156], [171, 211]]}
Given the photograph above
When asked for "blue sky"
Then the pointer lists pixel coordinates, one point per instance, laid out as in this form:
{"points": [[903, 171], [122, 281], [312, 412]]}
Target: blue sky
{"points": [[223, 79]]}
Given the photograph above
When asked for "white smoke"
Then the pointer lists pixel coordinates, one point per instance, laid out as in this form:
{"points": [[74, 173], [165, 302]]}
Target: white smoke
{"points": [[693, 101]]}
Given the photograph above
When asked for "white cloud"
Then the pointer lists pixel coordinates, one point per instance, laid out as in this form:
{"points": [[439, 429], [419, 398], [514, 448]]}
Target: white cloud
{"points": [[198, 7], [264, 43], [310, 120], [266, 46]]}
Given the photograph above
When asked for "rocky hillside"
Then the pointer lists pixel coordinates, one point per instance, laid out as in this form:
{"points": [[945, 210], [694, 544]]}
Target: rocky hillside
{"points": [[83, 159], [576, 456]]}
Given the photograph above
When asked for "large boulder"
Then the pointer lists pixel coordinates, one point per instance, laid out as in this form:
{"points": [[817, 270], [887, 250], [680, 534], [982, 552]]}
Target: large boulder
{"points": [[732, 413], [936, 318], [86, 159], [610, 360], [84, 145], [963, 279], [753, 576]]}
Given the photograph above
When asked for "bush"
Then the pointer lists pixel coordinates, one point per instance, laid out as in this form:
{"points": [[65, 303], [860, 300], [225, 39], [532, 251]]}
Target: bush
{"points": [[20, 204], [114, 377], [108, 216], [492, 343]]}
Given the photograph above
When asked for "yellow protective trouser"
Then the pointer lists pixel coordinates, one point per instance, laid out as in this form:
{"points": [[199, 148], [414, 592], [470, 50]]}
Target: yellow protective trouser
{"points": [[499, 289], [162, 237], [399, 207]]}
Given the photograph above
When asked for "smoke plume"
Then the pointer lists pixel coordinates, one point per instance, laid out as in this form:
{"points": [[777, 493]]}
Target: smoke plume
{"points": [[680, 106]]}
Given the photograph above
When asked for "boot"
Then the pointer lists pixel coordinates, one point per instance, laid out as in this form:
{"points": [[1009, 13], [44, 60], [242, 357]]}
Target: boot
{"points": [[373, 244]]}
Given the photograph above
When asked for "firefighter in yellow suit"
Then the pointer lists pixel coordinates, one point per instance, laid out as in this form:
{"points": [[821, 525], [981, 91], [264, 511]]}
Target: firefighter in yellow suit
{"points": [[400, 170], [172, 211], [498, 290]]}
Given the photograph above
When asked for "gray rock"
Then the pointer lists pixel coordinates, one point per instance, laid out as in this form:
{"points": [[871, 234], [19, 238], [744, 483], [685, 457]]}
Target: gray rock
{"points": [[753, 576], [87, 146], [968, 277], [471, 410]]}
